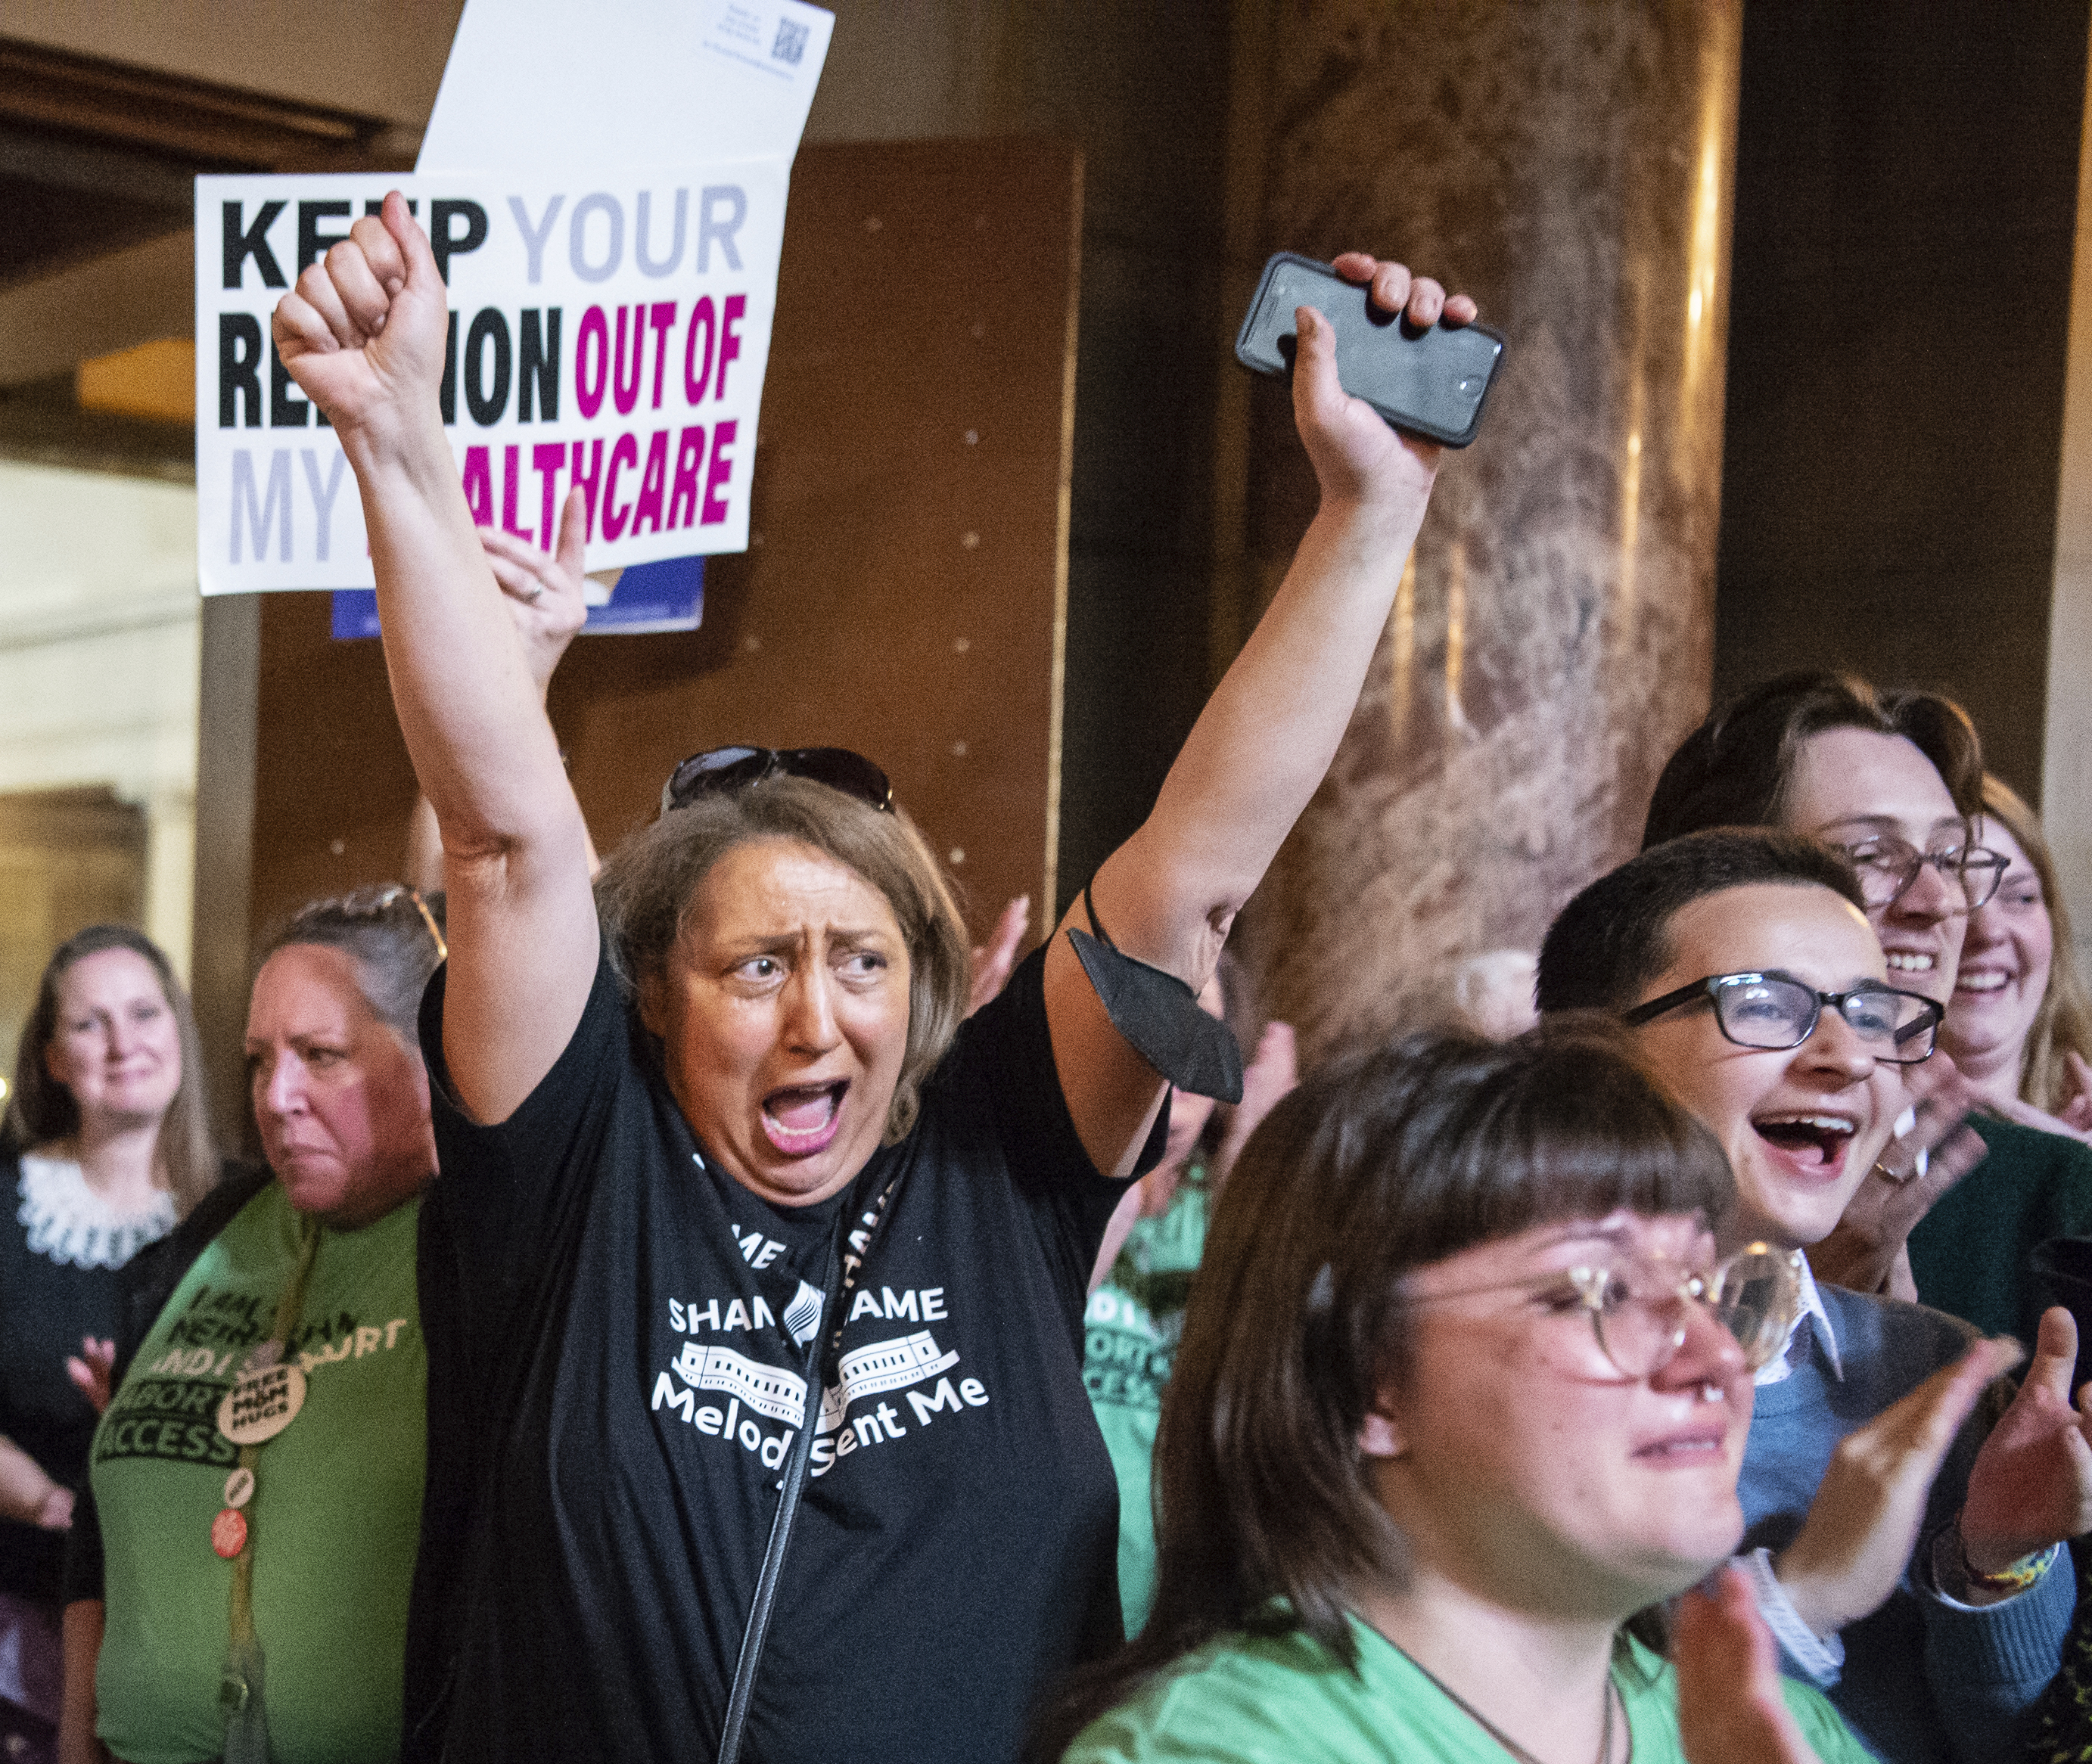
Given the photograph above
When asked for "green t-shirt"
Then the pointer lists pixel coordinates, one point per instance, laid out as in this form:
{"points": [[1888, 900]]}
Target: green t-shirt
{"points": [[1287, 1700], [1129, 1335], [336, 1512]]}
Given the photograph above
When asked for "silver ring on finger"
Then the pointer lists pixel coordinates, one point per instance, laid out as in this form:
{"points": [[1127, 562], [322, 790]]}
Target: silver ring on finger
{"points": [[537, 591]]}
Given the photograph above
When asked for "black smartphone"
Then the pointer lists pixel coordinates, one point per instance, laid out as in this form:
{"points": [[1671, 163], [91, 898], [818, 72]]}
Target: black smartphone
{"points": [[1430, 383]]}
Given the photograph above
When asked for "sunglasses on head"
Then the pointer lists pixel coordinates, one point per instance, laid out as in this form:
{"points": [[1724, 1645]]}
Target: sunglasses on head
{"points": [[726, 769], [377, 904]]}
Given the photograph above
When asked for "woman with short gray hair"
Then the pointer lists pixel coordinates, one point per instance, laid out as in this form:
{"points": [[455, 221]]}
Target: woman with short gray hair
{"points": [[255, 1484]]}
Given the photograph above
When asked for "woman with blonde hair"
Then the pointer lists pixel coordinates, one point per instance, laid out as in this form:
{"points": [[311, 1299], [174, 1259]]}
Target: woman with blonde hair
{"points": [[2020, 1023], [108, 1143]]}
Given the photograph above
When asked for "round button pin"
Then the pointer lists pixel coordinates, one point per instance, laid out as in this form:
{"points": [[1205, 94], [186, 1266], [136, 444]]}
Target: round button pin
{"points": [[240, 1487], [261, 1404], [228, 1533]]}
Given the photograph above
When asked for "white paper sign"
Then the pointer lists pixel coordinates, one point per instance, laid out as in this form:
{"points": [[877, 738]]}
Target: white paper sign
{"points": [[534, 86], [609, 330]]}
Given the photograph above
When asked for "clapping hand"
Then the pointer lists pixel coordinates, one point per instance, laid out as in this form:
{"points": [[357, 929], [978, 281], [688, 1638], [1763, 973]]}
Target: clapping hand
{"points": [[993, 960], [1272, 1071], [2031, 1484], [1862, 1526], [2073, 1113], [2076, 1113], [1730, 1708], [91, 1370], [1867, 1248]]}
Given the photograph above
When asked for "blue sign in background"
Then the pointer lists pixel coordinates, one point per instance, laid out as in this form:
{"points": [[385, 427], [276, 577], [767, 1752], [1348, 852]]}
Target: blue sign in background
{"points": [[668, 595]]}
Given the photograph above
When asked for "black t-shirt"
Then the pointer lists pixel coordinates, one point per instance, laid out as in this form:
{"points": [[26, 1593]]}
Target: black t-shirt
{"points": [[615, 1386]]}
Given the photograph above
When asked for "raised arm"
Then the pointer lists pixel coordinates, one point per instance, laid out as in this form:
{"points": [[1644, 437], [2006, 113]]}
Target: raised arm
{"points": [[1268, 734], [363, 334], [547, 599]]}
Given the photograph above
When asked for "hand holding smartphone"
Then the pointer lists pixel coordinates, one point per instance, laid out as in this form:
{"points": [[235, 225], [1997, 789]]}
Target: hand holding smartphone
{"points": [[1431, 383]]}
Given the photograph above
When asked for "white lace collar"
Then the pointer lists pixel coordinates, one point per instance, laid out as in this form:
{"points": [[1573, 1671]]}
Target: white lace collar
{"points": [[74, 1227]]}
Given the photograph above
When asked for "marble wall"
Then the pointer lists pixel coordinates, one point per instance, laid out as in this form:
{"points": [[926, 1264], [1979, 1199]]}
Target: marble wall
{"points": [[1570, 162]]}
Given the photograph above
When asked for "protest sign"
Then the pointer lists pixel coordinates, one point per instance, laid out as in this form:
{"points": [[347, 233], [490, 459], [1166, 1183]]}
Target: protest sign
{"points": [[608, 332], [668, 595], [540, 85], [726, 78]]}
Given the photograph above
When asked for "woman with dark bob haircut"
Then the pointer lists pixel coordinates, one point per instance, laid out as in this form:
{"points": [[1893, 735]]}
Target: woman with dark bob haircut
{"points": [[753, 1281], [1460, 1392]]}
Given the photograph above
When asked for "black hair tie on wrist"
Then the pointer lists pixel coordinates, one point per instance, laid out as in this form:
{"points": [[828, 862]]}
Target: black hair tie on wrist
{"points": [[1158, 1015]]}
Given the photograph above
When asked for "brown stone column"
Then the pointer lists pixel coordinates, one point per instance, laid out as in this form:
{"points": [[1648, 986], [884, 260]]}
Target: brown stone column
{"points": [[1570, 163]]}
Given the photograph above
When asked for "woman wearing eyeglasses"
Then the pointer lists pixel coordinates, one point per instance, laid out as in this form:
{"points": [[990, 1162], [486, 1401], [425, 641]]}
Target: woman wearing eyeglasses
{"points": [[1905, 1557], [1463, 1388], [2020, 1024], [763, 1277], [1894, 781], [238, 1583]]}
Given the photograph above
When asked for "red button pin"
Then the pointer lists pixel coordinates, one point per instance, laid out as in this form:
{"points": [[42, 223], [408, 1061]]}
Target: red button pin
{"points": [[228, 1533]]}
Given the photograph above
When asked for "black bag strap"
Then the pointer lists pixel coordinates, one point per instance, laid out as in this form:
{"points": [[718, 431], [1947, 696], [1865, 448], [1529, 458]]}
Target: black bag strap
{"points": [[794, 1483], [758, 1631]]}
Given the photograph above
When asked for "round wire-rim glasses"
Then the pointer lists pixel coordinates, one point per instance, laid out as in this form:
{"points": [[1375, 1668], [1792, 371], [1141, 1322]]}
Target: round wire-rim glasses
{"points": [[1888, 866], [1772, 1011], [1638, 1305]]}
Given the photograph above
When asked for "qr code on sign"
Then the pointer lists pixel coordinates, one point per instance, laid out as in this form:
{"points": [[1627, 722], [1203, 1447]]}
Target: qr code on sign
{"points": [[791, 42]]}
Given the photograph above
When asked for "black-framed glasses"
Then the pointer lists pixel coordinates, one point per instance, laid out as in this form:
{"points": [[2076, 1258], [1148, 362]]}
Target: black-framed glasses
{"points": [[1775, 1010], [1637, 1305], [1888, 866], [738, 768]]}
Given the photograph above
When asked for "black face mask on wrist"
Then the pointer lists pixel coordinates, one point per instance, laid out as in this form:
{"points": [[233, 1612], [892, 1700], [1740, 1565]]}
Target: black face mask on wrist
{"points": [[1158, 1015]]}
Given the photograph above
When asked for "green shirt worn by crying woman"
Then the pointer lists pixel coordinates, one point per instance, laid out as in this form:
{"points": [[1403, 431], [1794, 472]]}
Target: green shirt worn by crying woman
{"points": [[335, 1510], [1286, 1699]]}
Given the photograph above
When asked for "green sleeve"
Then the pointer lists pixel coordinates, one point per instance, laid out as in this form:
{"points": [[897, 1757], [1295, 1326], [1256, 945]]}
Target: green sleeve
{"points": [[1823, 1726]]}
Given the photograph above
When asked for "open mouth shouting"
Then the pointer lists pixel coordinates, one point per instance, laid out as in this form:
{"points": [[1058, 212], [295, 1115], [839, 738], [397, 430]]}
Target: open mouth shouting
{"points": [[1813, 1144], [802, 1121]]}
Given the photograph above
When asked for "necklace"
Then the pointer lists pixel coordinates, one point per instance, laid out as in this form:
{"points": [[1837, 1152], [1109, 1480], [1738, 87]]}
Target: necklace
{"points": [[1498, 1734]]}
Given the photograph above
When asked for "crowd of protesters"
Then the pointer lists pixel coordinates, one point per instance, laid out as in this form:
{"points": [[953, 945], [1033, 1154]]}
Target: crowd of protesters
{"points": [[695, 1307]]}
